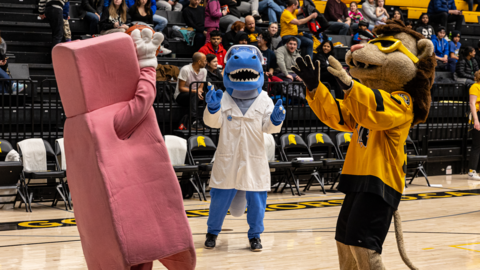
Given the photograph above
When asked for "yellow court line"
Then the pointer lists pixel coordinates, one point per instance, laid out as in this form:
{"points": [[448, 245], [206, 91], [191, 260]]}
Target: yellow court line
{"points": [[427, 248], [458, 246]]}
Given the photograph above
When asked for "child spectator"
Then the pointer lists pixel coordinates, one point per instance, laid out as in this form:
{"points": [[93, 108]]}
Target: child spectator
{"points": [[397, 15], [441, 48], [90, 11], [229, 39], [354, 14], [454, 46], [194, 16], [213, 13], [241, 38], [141, 12], [381, 12], [273, 30], [67, 34], [424, 28], [114, 18], [363, 34], [467, 66]]}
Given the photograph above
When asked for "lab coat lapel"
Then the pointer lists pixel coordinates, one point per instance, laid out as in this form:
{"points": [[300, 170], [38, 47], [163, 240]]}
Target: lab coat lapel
{"points": [[230, 104]]}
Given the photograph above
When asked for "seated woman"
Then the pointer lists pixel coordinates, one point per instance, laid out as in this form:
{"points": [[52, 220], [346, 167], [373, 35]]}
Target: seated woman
{"points": [[114, 18], [141, 12], [325, 50], [214, 72], [229, 39], [276, 38], [467, 66], [7, 86]]}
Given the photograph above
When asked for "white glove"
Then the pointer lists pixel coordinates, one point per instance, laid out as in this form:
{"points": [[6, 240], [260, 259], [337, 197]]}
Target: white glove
{"points": [[147, 46]]}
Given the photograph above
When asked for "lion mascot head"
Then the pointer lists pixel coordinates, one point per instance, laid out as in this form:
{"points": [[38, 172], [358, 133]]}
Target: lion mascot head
{"points": [[400, 59]]}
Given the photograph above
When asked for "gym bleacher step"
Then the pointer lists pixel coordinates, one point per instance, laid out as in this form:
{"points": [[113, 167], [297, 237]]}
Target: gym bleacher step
{"points": [[41, 70], [24, 46], [21, 2], [18, 17], [32, 57], [22, 26], [23, 8], [26, 36]]}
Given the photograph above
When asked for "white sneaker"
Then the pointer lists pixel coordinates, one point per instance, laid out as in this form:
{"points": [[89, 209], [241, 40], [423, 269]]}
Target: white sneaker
{"points": [[20, 88], [472, 174], [256, 15], [164, 51]]}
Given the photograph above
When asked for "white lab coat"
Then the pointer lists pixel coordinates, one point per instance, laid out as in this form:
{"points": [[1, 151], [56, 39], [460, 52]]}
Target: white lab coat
{"points": [[240, 161]]}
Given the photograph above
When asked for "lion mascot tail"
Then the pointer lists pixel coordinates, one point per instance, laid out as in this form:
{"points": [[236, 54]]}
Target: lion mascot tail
{"points": [[399, 237]]}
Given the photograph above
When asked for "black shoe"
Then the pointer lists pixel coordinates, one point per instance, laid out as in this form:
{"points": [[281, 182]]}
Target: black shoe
{"points": [[197, 125], [211, 241], [255, 244]]}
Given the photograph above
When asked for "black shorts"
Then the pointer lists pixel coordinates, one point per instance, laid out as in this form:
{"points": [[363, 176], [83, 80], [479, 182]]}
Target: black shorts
{"points": [[364, 221]]}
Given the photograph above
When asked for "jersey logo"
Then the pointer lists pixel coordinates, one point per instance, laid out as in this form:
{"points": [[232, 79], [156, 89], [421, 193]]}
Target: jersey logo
{"points": [[201, 141], [291, 139], [347, 137], [319, 138], [363, 136], [405, 98]]}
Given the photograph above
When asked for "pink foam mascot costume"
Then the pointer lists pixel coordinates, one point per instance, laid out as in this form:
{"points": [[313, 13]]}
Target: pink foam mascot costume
{"points": [[128, 203]]}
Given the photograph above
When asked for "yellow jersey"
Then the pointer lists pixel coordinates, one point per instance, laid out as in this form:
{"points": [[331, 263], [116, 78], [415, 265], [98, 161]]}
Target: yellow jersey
{"points": [[380, 123], [287, 28], [475, 90]]}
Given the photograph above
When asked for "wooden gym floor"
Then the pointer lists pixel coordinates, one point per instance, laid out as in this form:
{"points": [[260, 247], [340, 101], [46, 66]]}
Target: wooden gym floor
{"points": [[441, 230]]}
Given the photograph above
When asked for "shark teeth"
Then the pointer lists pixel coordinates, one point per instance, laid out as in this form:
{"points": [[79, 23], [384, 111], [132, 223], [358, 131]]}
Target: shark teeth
{"points": [[244, 70], [242, 80]]}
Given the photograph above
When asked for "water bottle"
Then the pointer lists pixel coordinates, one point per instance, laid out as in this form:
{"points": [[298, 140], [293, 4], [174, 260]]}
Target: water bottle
{"points": [[449, 169]]}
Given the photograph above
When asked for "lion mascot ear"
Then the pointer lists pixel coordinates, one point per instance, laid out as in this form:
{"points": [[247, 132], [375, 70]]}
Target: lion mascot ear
{"points": [[425, 48]]}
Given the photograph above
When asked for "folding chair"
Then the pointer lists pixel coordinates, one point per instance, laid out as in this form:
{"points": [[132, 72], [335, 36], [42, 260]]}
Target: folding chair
{"points": [[177, 150], [54, 175], [201, 152], [60, 153], [417, 159], [321, 145], [292, 141], [10, 173], [277, 168], [343, 141]]}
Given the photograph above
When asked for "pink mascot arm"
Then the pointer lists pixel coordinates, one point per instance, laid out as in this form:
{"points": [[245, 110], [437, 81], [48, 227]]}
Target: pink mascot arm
{"points": [[128, 118]]}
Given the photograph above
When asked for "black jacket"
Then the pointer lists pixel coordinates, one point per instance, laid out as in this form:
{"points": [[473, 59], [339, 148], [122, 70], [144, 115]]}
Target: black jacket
{"points": [[106, 23], [194, 17], [228, 40], [232, 6], [465, 69], [216, 77], [93, 6]]}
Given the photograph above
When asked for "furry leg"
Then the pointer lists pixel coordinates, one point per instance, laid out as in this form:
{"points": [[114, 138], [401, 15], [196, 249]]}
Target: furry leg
{"points": [[345, 257], [367, 259], [400, 244]]}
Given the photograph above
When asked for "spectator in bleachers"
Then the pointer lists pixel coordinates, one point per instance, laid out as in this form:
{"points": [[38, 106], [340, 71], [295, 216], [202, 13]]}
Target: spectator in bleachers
{"points": [[409, 24], [424, 28], [250, 7], [471, 3], [441, 48], [242, 38], [336, 13], [168, 5], [289, 26], [213, 13], [369, 13], [474, 109], [273, 30], [381, 12], [214, 72], [397, 15], [251, 30], [454, 47], [140, 12], [52, 11], [90, 11], [7, 86], [159, 22], [194, 72], [114, 18], [286, 56], [363, 34], [194, 16], [354, 14], [467, 66], [215, 47], [443, 12], [229, 39], [233, 14], [325, 51], [67, 34], [264, 42]]}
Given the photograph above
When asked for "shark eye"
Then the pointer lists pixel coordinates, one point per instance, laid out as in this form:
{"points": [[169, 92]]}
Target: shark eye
{"points": [[236, 57], [254, 57]]}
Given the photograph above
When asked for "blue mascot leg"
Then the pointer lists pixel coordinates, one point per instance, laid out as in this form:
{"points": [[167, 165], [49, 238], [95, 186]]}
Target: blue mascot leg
{"points": [[220, 202], [256, 204]]}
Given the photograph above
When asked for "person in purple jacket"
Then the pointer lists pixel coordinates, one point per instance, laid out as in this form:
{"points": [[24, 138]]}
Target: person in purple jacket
{"points": [[213, 13]]}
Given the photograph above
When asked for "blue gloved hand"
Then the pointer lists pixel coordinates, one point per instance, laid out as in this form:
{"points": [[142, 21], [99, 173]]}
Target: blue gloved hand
{"points": [[213, 99], [278, 114]]}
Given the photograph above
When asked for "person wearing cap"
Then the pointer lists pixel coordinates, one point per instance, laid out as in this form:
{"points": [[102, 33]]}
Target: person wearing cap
{"points": [[441, 48], [454, 47], [443, 12], [363, 34]]}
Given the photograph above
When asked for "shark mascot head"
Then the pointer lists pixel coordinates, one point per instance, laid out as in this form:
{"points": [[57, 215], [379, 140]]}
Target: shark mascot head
{"points": [[243, 74]]}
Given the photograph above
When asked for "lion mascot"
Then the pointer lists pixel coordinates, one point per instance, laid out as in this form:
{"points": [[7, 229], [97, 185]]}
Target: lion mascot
{"points": [[396, 72]]}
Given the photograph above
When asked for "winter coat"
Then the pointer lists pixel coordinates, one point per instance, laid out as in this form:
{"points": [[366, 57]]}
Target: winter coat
{"points": [[93, 6], [439, 6], [465, 70], [285, 59], [217, 77], [213, 14], [240, 160]]}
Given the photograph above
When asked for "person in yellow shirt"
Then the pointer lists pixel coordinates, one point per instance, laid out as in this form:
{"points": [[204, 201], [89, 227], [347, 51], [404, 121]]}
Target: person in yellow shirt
{"points": [[289, 26], [474, 108]]}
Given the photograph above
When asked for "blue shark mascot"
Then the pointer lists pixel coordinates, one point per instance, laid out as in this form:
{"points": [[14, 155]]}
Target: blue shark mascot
{"points": [[241, 175]]}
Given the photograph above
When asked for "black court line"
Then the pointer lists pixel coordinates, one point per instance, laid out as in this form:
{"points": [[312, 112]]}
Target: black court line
{"points": [[55, 223]]}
